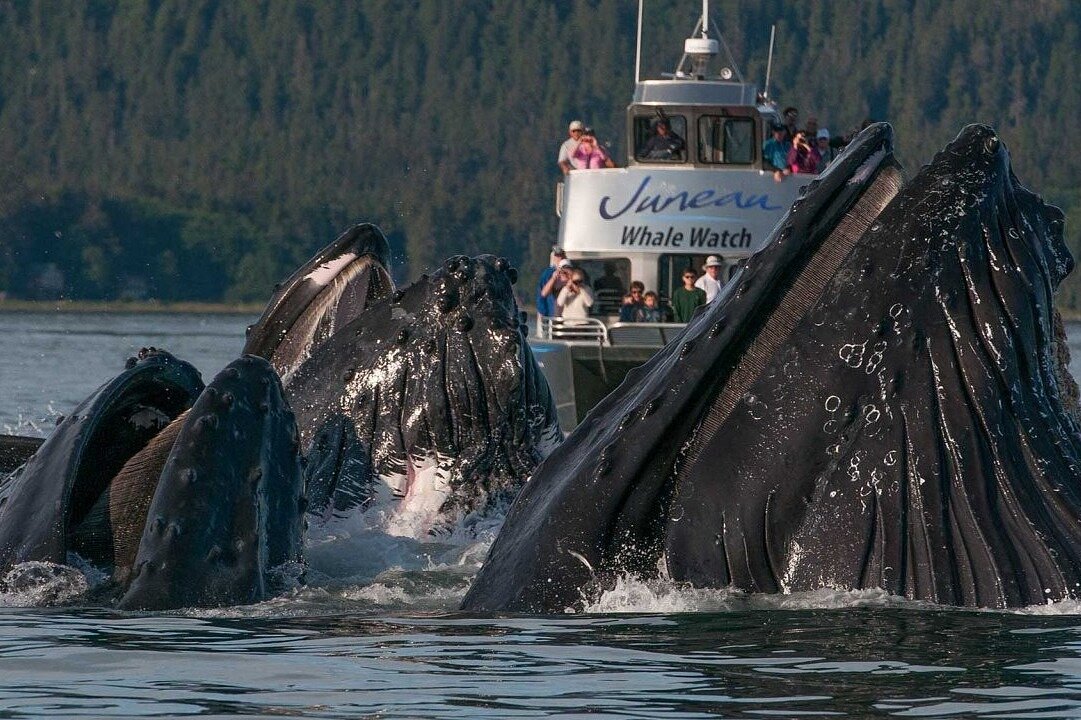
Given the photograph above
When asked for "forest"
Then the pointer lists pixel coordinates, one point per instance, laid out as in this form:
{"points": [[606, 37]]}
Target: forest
{"points": [[198, 150]]}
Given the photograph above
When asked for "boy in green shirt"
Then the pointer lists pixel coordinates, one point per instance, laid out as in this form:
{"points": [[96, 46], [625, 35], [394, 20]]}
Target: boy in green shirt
{"points": [[688, 297]]}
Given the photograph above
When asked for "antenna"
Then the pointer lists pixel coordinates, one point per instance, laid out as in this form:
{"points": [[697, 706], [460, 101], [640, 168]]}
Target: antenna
{"points": [[769, 63], [638, 47]]}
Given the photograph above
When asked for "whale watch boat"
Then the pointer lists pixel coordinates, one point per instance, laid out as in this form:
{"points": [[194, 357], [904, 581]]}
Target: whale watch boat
{"points": [[662, 213]]}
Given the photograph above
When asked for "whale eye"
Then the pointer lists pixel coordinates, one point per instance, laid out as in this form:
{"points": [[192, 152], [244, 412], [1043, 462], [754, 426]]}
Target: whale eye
{"points": [[398, 295], [990, 145], [403, 336], [247, 330]]}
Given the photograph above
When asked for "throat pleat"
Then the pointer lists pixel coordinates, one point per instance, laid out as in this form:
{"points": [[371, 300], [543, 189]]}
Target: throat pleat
{"points": [[794, 304]]}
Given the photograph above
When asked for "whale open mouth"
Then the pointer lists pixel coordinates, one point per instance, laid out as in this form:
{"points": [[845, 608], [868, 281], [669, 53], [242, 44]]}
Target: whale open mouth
{"points": [[321, 297], [873, 401]]}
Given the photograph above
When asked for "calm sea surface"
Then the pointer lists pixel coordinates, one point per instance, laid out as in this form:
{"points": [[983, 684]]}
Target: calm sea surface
{"points": [[382, 639]]}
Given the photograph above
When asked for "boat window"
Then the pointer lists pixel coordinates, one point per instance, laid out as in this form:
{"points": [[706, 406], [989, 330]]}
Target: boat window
{"points": [[726, 140], [653, 146], [610, 278]]}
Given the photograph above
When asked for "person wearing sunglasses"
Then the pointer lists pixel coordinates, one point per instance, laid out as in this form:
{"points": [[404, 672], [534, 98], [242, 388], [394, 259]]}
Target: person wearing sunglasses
{"points": [[687, 298], [632, 302]]}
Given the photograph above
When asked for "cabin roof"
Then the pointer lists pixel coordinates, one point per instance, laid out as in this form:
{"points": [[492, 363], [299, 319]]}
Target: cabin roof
{"points": [[694, 92]]}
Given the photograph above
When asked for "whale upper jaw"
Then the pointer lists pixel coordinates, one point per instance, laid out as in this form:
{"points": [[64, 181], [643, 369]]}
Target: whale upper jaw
{"points": [[324, 295]]}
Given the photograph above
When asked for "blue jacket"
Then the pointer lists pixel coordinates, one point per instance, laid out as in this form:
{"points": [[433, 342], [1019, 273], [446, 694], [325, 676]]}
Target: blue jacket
{"points": [[546, 305]]}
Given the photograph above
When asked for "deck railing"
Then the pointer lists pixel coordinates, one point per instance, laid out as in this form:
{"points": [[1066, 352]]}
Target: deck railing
{"points": [[596, 332]]}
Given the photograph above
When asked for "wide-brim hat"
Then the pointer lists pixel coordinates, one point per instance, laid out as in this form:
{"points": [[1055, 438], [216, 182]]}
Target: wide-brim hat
{"points": [[713, 261], [576, 125]]}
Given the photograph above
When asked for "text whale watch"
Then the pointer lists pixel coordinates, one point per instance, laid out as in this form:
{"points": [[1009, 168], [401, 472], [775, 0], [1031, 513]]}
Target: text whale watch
{"points": [[698, 187]]}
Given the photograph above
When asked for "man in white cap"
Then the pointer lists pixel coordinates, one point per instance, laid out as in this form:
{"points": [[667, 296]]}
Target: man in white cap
{"points": [[711, 280], [575, 130], [825, 152]]}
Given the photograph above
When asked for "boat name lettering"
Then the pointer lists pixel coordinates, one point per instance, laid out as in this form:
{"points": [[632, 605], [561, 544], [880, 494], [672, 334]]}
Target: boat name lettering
{"points": [[641, 201], [697, 237]]}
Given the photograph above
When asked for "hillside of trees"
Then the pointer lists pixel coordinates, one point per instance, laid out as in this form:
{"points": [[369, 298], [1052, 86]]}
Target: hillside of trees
{"points": [[200, 149]]}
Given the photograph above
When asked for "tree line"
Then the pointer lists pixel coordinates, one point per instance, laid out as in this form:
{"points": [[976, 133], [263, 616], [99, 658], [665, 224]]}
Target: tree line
{"points": [[201, 149]]}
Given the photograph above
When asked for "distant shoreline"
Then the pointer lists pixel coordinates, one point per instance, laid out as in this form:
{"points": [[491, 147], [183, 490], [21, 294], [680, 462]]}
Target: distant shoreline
{"points": [[144, 307]]}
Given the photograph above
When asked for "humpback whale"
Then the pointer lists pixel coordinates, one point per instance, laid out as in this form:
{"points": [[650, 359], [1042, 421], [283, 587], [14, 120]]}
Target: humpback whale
{"points": [[184, 495], [877, 400], [425, 406], [430, 400]]}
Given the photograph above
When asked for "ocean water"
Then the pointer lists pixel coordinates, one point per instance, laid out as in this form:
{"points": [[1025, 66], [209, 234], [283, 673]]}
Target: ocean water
{"points": [[378, 634]]}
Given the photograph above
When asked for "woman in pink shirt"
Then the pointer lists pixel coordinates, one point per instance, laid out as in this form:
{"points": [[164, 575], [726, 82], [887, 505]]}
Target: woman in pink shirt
{"points": [[590, 155]]}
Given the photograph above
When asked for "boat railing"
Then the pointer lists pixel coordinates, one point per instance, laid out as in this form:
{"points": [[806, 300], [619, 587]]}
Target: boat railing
{"points": [[640, 333], [584, 330], [594, 332]]}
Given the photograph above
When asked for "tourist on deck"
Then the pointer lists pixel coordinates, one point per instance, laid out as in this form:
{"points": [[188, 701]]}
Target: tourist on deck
{"points": [[710, 282], [775, 153], [791, 123], [589, 155], [575, 299], [825, 152], [574, 130], [650, 311], [663, 144], [546, 285], [687, 298], [632, 301], [811, 127], [802, 157]]}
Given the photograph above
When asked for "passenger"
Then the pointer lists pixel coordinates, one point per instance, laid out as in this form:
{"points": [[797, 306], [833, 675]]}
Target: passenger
{"points": [[632, 301], [663, 144], [550, 283], [791, 123], [570, 145], [687, 298], [775, 153], [710, 282], [610, 280], [650, 310], [802, 158], [589, 155], [811, 130], [826, 153], [575, 299]]}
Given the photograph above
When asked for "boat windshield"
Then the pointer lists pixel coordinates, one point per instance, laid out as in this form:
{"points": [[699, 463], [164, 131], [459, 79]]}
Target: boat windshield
{"points": [[660, 139], [726, 140]]}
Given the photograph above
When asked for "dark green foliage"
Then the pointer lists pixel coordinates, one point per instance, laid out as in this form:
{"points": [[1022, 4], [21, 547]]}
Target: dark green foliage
{"points": [[201, 149]]}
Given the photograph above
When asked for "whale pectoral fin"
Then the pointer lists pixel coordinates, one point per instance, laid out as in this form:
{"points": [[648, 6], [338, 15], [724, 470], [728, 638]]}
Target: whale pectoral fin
{"points": [[229, 505]]}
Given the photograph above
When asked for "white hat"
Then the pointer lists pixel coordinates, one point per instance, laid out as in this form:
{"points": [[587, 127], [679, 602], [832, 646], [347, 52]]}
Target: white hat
{"points": [[565, 263], [713, 261], [823, 133], [577, 125]]}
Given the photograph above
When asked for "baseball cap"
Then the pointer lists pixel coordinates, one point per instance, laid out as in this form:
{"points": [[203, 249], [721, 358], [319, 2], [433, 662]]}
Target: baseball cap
{"points": [[823, 133], [565, 263], [558, 251], [577, 125], [713, 261]]}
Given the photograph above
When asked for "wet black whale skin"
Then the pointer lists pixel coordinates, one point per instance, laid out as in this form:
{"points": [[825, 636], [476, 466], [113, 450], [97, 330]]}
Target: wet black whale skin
{"points": [[909, 433]]}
